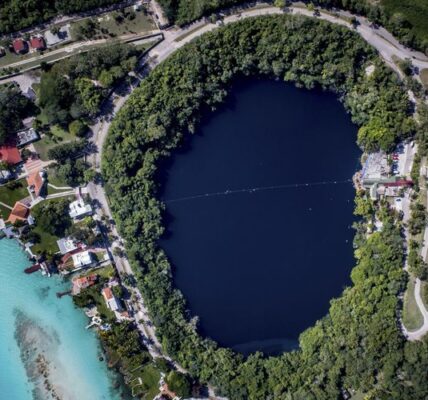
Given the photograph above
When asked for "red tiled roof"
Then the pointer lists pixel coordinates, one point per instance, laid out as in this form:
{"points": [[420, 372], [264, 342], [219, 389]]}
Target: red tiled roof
{"points": [[85, 281], [10, 154], [19, 212], [37, 43], [35, 182], [108, 294], [19, 45]]}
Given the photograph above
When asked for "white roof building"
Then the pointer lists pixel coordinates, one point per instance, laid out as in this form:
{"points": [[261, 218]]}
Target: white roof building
{"points": [[82, 259], [66, 245], [79, 209], [26, 136], [110, 299]]}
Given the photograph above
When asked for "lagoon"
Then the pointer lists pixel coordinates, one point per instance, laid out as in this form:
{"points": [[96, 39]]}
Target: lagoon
{"points": [[260, 266], [38, 330]]}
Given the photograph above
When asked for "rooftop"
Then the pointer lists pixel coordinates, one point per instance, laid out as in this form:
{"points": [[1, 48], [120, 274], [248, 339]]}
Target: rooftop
{"points": [[66, 245], [10, 154], [78, 208], [26, 136], [37, 43], [19, 213], [36, 182], [82, 259], [19, 45]]}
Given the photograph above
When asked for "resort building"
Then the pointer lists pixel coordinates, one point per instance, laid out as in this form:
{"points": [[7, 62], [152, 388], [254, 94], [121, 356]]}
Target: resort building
{"points": [[26, 136], [19, 212], [82, 259], [111, 300], [79, 209], [66, 245]]}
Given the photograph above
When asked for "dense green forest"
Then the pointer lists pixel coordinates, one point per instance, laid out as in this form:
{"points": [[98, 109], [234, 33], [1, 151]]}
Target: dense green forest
{"points": [[406, 19], [75, 87], [358, 346], [18, 14]]}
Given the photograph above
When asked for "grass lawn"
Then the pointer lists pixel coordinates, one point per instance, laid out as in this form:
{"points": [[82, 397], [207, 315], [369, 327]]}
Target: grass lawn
{"points": [[54, 179], [11, 196], [150, 377], [4, 212], [412, 317], [59, 136], [47, 242], [108, 26], [414, 11], [104, 272], [424, 77], [424, 293]]}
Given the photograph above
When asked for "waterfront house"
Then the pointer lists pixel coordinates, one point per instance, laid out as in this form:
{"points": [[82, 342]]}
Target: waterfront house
{"points": [[19, 212], [66, 245], [83, 282], [20, 46], [110, 299], [79, 209], [82, 259], [38, 43], [10, 155]]}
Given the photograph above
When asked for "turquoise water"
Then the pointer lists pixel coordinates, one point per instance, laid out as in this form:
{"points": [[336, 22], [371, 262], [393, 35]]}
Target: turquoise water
{"points": [[41, 334]]}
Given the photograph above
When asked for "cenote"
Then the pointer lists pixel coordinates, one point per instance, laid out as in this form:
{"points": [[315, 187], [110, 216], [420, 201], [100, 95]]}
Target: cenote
{"points": [[259, 267]]}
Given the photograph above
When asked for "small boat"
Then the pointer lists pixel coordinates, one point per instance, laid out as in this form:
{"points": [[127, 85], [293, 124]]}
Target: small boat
{"points": [[33, 268]]}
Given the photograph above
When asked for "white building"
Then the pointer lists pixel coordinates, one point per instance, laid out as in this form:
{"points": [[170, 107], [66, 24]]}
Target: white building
{"points": [[110, 299], [79, 209], [82, 259], [66, 245]]}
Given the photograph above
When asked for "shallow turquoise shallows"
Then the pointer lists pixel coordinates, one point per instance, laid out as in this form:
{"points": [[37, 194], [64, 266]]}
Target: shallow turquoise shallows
{"points": [[44, 346]]}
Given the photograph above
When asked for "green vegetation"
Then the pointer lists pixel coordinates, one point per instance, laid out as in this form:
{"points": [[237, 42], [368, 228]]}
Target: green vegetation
{"points": [[13, 191], [92, 297], [179, 384], [412, 317], [409, 20], [68, 90], [424, 78], [13, 108], [112, 24], [52, 137], [16, 14], [358, 345], [52, 216]]}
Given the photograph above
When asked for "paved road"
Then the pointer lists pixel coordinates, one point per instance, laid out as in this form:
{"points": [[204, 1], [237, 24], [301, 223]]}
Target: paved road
{"points": [[175, 39], [79, 46]]}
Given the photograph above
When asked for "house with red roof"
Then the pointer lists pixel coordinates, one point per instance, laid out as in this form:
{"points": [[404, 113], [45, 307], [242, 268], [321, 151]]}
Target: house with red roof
{"points": [[38, 43], [36, 183], [10, 155], [19, 212], [20, 46]]}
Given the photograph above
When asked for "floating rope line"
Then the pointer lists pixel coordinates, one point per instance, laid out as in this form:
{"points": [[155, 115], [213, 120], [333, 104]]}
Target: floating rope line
{"points": [[256, 189]]}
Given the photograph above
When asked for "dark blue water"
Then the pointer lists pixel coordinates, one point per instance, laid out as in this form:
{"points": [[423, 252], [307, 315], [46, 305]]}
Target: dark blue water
{"points": [[260, 267]]}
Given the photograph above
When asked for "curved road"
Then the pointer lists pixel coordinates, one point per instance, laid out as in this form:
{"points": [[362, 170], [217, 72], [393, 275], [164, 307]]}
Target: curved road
{"points": [[174, 39]]}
